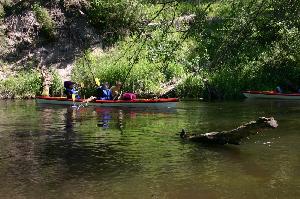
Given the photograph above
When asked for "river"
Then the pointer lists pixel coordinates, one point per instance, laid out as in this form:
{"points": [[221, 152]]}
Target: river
{"points": [[60, 152]]}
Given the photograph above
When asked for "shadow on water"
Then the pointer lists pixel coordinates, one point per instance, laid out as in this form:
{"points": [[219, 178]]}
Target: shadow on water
{"points": [[87, 141], [80, 153], [60, 152], [235, 155]]}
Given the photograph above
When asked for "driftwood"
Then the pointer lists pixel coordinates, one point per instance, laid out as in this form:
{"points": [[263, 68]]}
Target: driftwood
{"points": [[233, 136]]}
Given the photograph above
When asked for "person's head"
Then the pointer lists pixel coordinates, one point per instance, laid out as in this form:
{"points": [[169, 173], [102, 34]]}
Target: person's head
{"points": [[118, 84], [105, 85], [69, 84]]}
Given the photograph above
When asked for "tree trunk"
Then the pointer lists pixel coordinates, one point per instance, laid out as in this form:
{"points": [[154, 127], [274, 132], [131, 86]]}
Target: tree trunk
{"points": [[233, 136], [46, 78]]}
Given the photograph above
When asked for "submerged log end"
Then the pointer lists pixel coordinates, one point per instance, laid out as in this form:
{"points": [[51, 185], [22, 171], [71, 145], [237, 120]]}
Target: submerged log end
{"points": [[233, 136], [183, 134], [268, 121]]}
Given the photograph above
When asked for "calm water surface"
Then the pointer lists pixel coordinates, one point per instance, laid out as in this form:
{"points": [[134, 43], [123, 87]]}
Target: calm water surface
{"points": [[59, 152]]}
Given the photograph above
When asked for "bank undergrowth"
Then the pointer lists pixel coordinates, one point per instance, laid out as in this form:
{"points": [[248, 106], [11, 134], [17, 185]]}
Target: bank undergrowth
{"points": [[28, 84], [220, 47]]}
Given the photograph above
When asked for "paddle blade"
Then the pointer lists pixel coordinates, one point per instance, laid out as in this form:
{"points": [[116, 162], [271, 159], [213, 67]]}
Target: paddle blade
{"points": [[97, 81], [73, 97]]}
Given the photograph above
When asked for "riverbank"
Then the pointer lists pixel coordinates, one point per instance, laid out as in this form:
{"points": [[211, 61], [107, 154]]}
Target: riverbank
{"points": [[215, 49]]}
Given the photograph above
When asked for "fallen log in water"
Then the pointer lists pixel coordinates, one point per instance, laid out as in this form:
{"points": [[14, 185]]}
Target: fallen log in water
{"points": [[233, 136]]}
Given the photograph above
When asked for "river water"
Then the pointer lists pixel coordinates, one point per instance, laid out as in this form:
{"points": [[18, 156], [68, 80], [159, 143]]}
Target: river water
{"points": [[61, 152]]}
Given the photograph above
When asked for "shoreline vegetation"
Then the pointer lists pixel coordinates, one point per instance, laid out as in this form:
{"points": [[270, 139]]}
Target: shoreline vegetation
{"points": [[207, 50]]}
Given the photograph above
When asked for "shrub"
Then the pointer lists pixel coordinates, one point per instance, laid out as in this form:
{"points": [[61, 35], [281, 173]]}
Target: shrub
{"points": [[43, 17], [191, 87], [142, 75], [57, 87], [114, 18], [23, 85]]}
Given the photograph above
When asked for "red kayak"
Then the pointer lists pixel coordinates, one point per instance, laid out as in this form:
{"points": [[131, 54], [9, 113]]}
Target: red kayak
{"points": [[161, 102], [271, 95]]}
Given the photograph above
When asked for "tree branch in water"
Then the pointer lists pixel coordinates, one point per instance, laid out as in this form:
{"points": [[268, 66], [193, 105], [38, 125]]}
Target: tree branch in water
{"points": [[233, 136]]}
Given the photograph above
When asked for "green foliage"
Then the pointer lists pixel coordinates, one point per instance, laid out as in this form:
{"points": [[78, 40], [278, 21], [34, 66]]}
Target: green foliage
{"points": [[224, 49], [237, 45], [57, 87], [23, 85], [130, 64], [44, 18], [3, 4], [191, 87], [144, 76], [247, 45], [11, 7], [27, 84], [2, 13], [71, 4], [114, 18]]}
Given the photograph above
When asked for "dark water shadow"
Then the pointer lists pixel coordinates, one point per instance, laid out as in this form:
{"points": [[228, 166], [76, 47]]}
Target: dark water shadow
{"points": [[120, 116], [232, 154], [84, 154], [81, 155]]}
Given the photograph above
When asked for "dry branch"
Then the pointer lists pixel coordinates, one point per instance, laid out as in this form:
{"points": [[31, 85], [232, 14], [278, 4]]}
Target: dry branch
{"points": [[233, 136]]}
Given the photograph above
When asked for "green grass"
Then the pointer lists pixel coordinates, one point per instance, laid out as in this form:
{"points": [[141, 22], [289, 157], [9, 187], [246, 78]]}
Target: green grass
{"points": [[28, 84]]}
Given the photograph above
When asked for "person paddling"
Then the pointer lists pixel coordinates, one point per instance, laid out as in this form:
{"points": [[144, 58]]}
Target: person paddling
{"points": [[116, 90], [70, 90], [103, 92], [287, 87]]}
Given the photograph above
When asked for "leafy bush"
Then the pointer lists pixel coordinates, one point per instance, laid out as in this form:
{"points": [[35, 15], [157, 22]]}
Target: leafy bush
{"points": [[4, 4], [23, 85], [191, 87], [57, 87], [2, 13], [237, 45], [28, 84], [130, 64], [114, 18], [43, 17]]}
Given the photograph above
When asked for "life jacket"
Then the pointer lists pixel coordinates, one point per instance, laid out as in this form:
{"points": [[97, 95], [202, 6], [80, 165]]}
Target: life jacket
{"points": [[69, 92], [104, 94], [129, 96]]}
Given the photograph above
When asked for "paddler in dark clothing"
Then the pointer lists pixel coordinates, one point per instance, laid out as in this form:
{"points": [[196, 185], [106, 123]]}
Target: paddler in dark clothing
{"points": [[70, 90], [287, 87], [103, 92]]}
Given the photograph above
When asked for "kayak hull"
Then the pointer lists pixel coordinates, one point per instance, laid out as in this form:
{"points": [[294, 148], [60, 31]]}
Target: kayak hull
{"points": [[271, 95], [163, 102]]}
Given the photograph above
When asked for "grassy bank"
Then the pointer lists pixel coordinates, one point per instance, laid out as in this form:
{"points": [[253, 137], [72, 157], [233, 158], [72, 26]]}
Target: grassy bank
{"points": [[217, 46], [28, 84]]}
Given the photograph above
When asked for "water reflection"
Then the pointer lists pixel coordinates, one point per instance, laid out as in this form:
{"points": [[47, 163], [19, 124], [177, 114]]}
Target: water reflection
{"points": [[70, 117], [60, 152], [81, 152], [81, 148], [118, 117], [105, 117]]}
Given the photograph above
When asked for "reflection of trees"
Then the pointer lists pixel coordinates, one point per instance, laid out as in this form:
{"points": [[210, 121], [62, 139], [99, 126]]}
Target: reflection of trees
{"points": [[70, 117], [51, 150], [79, 150], [220, 116], [118, 117], [21, 138], [61, 149]]}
